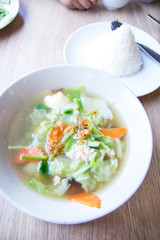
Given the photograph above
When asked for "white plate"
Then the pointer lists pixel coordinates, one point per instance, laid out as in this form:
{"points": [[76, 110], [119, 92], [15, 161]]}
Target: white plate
{"points": [[141, 83], [13, 9]]}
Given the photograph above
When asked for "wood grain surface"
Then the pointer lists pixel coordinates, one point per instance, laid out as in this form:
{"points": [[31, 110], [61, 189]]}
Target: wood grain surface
{"points": [[35, 39]]}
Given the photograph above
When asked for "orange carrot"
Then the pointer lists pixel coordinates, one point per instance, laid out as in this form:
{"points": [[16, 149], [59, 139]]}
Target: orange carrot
{"points": [[27, 151], [88, 199], [113, 132], [56, 133]]}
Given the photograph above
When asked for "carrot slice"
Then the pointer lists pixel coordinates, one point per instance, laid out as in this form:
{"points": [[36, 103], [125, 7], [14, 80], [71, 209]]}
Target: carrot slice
{"points": [[56, 133], [88, 199], [113, 132], [27, 151]]}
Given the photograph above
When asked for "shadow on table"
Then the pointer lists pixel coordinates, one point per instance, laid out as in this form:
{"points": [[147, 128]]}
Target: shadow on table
{"points": [[12, 27], [150, 97]]}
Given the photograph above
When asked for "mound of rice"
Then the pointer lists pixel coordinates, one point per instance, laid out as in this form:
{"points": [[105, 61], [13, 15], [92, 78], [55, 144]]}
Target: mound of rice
{"points": [[116, 53]]}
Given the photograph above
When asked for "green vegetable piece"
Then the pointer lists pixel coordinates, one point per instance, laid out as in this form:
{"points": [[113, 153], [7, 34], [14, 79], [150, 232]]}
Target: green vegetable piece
{"points": [[43, 131], [73, 90], [3, 13], [104, 146], [110, 142], [93, 158], [31, 183], [96, 161], [81, 170], [95, 131], [34, 157], [38, 185], [99, 145], [67, 136], [93, 144], [91, 138], [51, 157], [102, 153], [5, 1], [74, 95], [91, 112], [78, 102], [15, 147], [69, 144], [41, 106], [68, 111], [70, 96], [75, 100], [43, 168], [37, 116]]}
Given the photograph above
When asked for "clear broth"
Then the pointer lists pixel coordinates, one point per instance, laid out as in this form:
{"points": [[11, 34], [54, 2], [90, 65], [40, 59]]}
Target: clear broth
{"points": [[21, 126]]}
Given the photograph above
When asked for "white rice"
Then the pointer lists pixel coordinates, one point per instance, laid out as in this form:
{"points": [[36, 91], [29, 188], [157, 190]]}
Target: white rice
{"points": [[116, 53]]}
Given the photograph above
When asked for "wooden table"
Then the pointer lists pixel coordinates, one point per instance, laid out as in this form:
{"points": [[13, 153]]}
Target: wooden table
{"points": [[35, 39]]}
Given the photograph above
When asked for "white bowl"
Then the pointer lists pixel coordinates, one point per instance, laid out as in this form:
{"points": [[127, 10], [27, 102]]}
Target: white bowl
{"points": [[114, 4], [139, 143]]}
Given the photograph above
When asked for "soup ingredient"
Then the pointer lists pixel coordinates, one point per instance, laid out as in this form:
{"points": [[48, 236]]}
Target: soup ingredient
{"points": [[113, 132], [32, 152], [57, 100], [99, 105], [3, 13], [82, 152], [88, 199], [41, 106], [75, 188], [43, 168], [116, 53], [68, 111], [15, 147], [34, 157], [38, 185], [5, 1], [70, 150], [56, 134]]}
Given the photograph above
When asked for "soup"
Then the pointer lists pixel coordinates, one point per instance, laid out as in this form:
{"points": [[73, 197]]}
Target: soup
{"points": [[66, 142]]}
